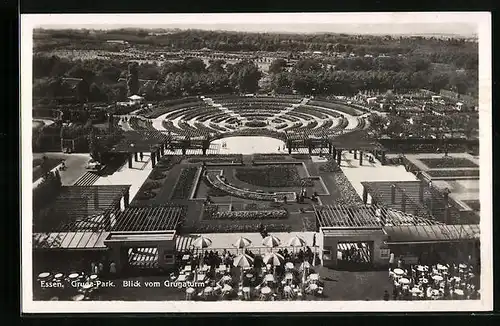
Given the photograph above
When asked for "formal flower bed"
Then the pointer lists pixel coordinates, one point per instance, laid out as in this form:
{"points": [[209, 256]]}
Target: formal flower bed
{"points": [[453, 173], [236, 228], [269, 157], [217, 159], [330, 166], [220, 183], [145, 195], [448, 162], [150, 185], [213, 191], [301, 156], [307, 182], [348, 194], [270, 176], [185, 183], [211, 213], [157, 175], [262, 207], [256, 124], [167, 162]]}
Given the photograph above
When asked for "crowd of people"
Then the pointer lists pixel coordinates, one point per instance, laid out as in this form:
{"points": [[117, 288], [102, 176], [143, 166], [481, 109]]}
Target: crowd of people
{"points": [[292, 277], [433, 282]]}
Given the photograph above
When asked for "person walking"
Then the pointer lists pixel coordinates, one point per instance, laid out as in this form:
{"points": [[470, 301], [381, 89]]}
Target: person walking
{"points": [[101, 268], [386, 295], [141, 155], [112, 268], [391, 260]]}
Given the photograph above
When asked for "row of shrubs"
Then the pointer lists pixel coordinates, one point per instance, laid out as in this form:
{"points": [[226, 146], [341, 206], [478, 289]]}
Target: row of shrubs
{"points": [[236, 228], [256, 124], [185, 183], [246, 215]]}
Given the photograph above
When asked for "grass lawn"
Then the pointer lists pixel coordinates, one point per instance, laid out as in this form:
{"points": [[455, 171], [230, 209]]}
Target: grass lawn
{"points": [[450, 162], [37, 170], [269, 176], [75, 165], [453, 173]]}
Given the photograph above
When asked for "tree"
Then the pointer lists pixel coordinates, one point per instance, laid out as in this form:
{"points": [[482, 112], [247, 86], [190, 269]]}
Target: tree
{"points": [[308, 65], [110, 74], [96, 95], [277, 66], [216, 66], [83, 91], [248, 77], [132, 80], [195, 65]]}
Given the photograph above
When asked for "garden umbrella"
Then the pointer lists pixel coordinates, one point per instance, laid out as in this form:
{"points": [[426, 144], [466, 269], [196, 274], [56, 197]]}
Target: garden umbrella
{"points": [[242, 243], [296, 241], [200, 243], [274, 259], [242, 261], [271, 241]]}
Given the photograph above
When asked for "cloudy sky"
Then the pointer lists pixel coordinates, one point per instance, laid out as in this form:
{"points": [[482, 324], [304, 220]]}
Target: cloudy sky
{"points": [[380, 23]]}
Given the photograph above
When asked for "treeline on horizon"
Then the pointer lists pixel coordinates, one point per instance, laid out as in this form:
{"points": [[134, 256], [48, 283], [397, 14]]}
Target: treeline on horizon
{"points": [[103, 80], [239, 41]]}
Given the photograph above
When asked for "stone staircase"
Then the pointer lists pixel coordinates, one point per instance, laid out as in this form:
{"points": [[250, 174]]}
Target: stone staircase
{"points": [[289, 109], [231, 113]]}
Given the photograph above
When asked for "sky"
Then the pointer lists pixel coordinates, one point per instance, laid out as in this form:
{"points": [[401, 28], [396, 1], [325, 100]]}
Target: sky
{"points": [[363, 23], [374, 29]]}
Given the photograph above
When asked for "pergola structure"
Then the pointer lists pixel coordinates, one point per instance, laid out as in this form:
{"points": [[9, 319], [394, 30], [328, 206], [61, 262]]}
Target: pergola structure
{"points": [[356, 141], [139, 141], [83, 217], [78, 208], [399, 227], [366, 216], [158, 218], [417, 197], [80, 217]]}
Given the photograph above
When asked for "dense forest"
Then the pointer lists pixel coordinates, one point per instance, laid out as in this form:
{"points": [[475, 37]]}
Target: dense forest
{"points": [[371, 63]]}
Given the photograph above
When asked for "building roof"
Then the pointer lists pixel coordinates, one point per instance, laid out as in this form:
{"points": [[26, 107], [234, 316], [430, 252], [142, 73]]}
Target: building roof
{"points": [[160, 218], [432, 233], [139, 141], [70, 240], [79, 209], [360, 140], [432, 205], [140, 237], [362, 216], [352, 232]]}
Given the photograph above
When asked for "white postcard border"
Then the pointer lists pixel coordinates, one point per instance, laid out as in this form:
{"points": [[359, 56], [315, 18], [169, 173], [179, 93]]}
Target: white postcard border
{"points": [[481, 19]]}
